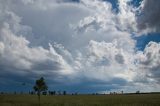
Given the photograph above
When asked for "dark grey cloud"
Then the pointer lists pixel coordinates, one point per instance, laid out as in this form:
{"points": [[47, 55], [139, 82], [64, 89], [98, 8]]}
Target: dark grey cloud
{"points": [[149, 17], [119, 58]]}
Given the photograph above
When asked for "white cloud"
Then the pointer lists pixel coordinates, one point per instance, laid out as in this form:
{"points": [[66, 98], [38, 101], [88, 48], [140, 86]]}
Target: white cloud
{"points": [[149, 61], [1, 48], [105, 61], [126, 16]]}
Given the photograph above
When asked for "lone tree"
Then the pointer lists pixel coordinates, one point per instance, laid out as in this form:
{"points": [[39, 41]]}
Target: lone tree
{"points": [[40, 86]]}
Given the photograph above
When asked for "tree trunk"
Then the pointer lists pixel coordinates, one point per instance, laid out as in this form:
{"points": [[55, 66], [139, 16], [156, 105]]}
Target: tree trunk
{"points": [[39, 98]]}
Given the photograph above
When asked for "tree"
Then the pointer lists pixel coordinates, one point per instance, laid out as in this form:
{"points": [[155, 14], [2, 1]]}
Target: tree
{"points": [[40, 86]]}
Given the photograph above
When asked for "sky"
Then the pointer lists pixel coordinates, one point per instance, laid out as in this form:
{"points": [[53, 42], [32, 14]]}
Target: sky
{"points": [[80, 46]]}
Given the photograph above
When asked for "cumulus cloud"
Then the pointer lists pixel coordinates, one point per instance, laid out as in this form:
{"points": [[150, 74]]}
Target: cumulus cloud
{"points": [[150, 61], [86, 43], [19, 58], [108, 60], [16, 51], [105, 18]]}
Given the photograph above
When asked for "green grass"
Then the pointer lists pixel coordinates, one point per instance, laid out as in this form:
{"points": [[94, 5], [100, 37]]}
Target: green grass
{"points": [[82, 100]]}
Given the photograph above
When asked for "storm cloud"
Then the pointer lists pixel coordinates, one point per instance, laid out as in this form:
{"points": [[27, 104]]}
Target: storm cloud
{"points": [[148, 18]]}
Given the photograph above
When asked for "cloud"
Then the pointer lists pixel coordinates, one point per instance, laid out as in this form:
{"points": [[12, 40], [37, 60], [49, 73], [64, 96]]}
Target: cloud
{"points": [[100, 63], [149, 16], [19, 58], [85, 44], [17, 52], [2, 47], [105, 18], [150, 61]]}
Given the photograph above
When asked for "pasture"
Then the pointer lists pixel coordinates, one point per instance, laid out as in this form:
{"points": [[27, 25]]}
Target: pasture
{"points": [[81, 100]]}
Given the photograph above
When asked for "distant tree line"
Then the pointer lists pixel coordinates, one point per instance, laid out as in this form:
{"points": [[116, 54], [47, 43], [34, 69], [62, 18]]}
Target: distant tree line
{"points": [[50, 92], [42, 93]]}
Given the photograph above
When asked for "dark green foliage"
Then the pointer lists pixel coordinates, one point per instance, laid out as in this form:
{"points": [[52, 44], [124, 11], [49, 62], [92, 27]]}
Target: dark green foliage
{"points": [[40, 85]]}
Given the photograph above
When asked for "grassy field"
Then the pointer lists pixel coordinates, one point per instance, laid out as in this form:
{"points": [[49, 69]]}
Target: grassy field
{"points": [[82, 100]]}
